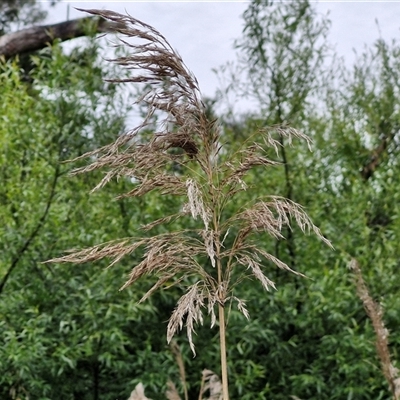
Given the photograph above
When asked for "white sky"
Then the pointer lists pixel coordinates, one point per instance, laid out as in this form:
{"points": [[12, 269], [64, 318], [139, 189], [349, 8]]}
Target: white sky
{"points": [[203, 31]]}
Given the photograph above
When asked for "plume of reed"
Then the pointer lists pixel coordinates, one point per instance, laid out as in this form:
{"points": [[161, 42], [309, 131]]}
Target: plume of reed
{"points": [[138, 393], [210, 383], [209, 178], [375, 313], [172, 392]]}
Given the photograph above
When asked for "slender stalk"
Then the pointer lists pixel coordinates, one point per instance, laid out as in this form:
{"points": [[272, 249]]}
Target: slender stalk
{"points": [[215, 203], [222, 340], [221, 317], [201, 388]]}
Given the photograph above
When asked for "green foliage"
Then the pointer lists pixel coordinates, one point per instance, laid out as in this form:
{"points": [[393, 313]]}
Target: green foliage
{"points": [[319, 340], [66, 330], [279, 58], [20, 13]]}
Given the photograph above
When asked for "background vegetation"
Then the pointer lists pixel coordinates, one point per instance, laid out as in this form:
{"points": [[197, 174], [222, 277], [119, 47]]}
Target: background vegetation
{"points": [[67, 332]]}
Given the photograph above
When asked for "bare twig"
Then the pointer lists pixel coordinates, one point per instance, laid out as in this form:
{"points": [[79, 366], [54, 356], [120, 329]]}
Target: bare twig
{"points": [[41, 221]]}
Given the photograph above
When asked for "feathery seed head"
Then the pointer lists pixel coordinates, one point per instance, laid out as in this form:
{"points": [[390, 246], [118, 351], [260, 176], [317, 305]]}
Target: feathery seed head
{"points": [[196, 204], [186, 158]]}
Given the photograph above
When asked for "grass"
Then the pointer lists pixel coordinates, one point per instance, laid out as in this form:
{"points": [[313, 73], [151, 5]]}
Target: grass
{"points": [[208, 178]]}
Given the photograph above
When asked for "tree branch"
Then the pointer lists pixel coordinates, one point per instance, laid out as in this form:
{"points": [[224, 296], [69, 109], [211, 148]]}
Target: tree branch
{"points": [[376, 158], [35, 231], [38, 37], [387, 131]]}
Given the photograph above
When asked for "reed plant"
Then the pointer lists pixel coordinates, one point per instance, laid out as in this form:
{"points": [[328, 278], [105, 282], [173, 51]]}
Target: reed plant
{"points": [[186, 156], [375, 314]]}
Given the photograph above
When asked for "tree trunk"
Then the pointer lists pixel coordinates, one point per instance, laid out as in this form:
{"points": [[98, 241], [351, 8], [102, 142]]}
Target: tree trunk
{"points": [[38, 37]]}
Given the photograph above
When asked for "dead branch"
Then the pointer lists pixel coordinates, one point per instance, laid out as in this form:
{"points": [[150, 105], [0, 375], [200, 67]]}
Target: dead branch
{"points": [[38, 37]]}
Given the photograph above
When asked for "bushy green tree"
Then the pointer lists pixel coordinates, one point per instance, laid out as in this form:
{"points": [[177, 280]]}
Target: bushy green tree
{"points": [[317, 341], [20, 13], [66, 332]]}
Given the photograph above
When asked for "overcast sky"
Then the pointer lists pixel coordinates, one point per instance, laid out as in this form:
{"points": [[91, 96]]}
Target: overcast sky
{"points": [[203, 31]]}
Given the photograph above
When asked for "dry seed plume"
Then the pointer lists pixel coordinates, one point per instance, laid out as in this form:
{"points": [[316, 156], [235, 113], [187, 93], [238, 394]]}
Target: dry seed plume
{"points": [[138, 393], [374, 312], [210, 383], [204, 257]]}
